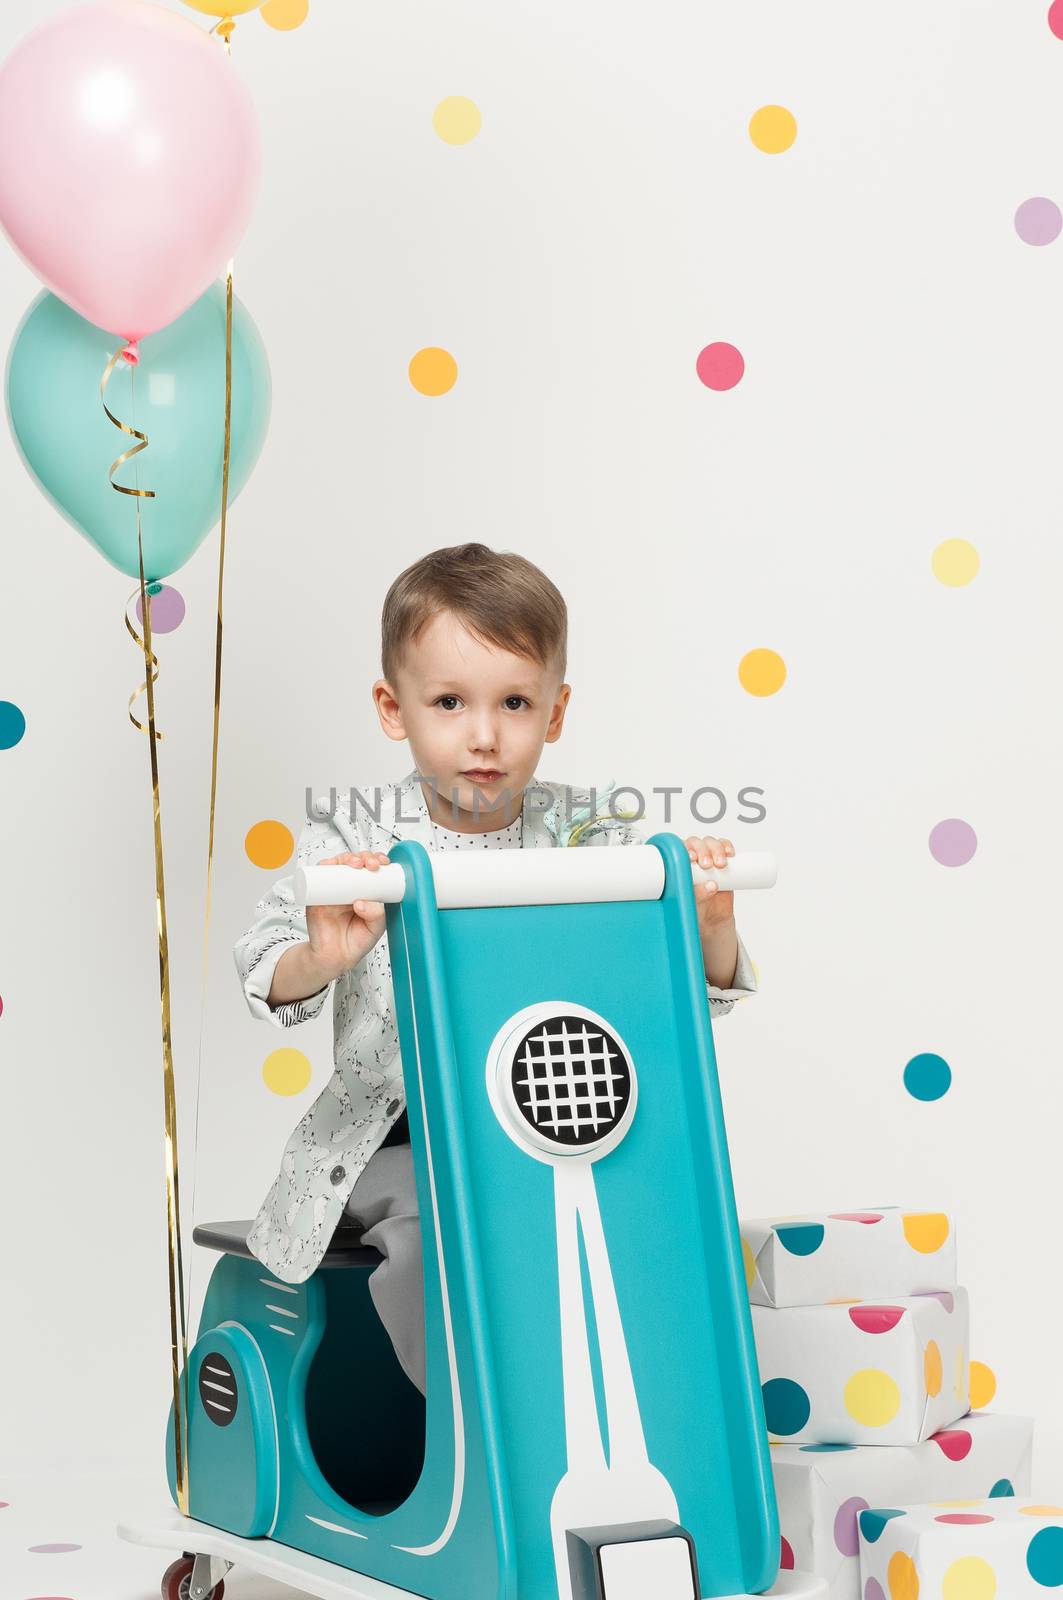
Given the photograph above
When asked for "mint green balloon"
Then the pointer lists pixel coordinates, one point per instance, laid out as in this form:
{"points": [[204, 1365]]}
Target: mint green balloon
{"points": [[176, 395]]}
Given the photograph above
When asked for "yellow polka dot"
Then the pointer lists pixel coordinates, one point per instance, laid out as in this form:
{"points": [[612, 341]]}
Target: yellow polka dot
{"points": [[433, 371], [983, 1385], [285, 14], [269, 844], [932, 1368], [902, 1577], [286, 1071], [749, 1261], [926, 1231], [872, 1397], [855, 1302], [456, 120], [970, 1578], [762, 672], [773, 129], [954, 1502], [1041, 1511], [955, 562]]}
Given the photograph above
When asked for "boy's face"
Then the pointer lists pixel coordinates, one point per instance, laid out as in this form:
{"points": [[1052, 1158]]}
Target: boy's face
{"points": [[476, 717]]}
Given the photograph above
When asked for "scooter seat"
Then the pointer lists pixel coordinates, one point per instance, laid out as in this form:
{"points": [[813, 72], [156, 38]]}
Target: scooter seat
{"points": [[345, 1248]]}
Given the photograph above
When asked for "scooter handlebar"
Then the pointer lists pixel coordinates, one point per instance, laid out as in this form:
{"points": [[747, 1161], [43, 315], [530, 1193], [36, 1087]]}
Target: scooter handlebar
{"points": [[532, 877]]}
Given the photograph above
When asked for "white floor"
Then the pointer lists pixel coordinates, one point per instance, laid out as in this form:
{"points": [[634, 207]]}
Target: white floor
{"points": [[77, 1505]]}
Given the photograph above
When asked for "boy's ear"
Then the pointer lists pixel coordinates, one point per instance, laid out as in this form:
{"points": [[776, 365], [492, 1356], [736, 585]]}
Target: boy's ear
{"points": [[388, 709], [557, 715]]}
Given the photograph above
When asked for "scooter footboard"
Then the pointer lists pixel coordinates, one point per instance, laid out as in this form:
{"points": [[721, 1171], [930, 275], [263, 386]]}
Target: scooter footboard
{"points": [[592, 1196]]}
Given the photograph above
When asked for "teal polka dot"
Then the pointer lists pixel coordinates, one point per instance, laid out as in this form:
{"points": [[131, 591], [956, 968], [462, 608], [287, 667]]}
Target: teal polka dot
{"points": [[803, 1240], [822, 1449], [1044, 1558], [1002, 1487], [786, 1406], [873, 1522], [12, 725], [927, 1076]]}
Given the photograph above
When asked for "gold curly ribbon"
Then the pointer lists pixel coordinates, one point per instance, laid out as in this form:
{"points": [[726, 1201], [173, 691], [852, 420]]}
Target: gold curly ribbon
{"points": [[178, 1324]]}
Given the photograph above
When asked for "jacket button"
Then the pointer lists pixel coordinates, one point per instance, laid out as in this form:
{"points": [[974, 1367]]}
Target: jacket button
{"points": [[393, 1106], [337, 1174]]}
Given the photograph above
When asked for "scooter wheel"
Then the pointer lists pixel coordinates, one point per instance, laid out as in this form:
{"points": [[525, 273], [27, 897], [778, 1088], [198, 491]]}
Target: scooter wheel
{"points": [[177, 1578]]}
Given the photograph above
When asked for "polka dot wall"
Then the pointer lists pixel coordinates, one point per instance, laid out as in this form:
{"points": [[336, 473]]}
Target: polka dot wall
{"points": [[732, 366]]}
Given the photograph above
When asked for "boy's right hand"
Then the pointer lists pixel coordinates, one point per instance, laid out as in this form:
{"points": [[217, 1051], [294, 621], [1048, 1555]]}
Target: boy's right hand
{"points": [[341, 935]]}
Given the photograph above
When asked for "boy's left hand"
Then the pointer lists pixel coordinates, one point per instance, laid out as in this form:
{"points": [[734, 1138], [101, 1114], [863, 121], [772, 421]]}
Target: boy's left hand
{"points": [[714, 905]]}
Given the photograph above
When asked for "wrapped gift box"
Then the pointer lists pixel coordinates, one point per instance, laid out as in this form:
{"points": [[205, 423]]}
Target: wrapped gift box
{"points": [[847, 1255], [978, 1548], [821, 1488], [870, 1372]]}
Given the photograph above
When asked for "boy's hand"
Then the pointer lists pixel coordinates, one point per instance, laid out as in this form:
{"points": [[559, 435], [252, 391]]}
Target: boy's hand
{"points": [[715, 906], [341, 935]]}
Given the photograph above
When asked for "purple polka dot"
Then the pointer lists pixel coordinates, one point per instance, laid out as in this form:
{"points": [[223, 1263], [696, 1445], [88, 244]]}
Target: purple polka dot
{"points": [[874, 1590], [52, 1549], [1038, 221], [953, 842], [167, 608], [846, 1531], [944, 1295]]}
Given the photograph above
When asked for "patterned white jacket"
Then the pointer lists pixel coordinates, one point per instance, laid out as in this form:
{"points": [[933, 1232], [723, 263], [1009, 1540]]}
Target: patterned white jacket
{"points": [[348, 1121]]}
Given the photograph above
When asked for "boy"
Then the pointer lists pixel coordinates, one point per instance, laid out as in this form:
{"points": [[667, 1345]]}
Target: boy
{"points": [[474, 648]]}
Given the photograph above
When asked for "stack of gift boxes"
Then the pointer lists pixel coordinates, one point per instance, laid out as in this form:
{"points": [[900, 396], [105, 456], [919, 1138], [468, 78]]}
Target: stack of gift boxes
{"points": [[889, 1484]]}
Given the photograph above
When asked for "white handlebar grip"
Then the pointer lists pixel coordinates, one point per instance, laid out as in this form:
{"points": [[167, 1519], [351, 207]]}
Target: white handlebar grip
{"points": [[746, 869], [342, 886], [525, 877]]}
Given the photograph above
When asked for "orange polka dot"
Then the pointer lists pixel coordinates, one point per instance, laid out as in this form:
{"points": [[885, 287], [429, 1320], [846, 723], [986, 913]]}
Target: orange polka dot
{"points": [[269, 844], [932, 1368], [902, 1577], [983, 1385]]}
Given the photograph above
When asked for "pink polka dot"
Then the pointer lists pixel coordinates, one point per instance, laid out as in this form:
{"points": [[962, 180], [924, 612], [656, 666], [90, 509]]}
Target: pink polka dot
{"points": [[1038, 220], [876, 1319], [2, 1502], [786, 1559], [167, 609], [52, 1549], [1055, 18], [953, 842], [953, 1442], [857, 1216], [963, 1517], [720, 366]]}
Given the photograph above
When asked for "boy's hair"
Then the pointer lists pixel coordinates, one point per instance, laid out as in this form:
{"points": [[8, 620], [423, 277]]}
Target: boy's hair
{"points": [[499, 596]]}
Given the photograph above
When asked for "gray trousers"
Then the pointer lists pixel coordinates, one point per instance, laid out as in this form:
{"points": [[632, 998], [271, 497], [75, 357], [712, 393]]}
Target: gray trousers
{"points": [[384, 1202]]}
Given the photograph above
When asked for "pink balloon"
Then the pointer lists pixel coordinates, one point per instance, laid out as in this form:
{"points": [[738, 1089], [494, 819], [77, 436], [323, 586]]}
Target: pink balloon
{"points": [[129, 161]]}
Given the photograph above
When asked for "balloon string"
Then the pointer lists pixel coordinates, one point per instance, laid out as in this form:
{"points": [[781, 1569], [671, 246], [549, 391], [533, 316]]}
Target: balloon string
{"points": [[226, 451], [178, 1328]]}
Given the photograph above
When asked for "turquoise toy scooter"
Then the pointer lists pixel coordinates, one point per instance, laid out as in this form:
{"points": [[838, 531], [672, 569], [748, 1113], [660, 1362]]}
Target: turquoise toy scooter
{"points": [[593, 1427]]}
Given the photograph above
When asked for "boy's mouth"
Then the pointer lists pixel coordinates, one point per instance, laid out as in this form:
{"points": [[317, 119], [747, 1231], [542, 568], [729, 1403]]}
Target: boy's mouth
{"points": [[482, 774]]}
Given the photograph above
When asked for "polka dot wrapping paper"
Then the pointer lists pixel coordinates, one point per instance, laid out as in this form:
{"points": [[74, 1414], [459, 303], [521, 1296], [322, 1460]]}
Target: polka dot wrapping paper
{"points": [[990, 1549], [821, 1489], [844, 1255], [868, 1372]]}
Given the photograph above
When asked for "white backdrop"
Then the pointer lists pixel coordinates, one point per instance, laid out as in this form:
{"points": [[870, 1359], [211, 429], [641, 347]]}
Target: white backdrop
{"points": [[903, 347]]}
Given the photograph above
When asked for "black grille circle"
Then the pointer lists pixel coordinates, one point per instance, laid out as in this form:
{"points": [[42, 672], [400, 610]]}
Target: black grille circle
{"points": [[217, 1389], [570, 1080]]}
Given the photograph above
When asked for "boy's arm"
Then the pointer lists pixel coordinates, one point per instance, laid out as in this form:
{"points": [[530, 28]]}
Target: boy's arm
{"points": [[279, 933], [744, 981]]}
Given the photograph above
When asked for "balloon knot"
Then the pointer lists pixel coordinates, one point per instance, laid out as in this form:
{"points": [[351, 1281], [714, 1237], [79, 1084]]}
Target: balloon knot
{"points": [[131, 353], [225, 28]]}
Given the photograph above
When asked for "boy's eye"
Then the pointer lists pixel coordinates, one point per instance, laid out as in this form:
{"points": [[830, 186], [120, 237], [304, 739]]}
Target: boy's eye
{"points": [[443, 699]]}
